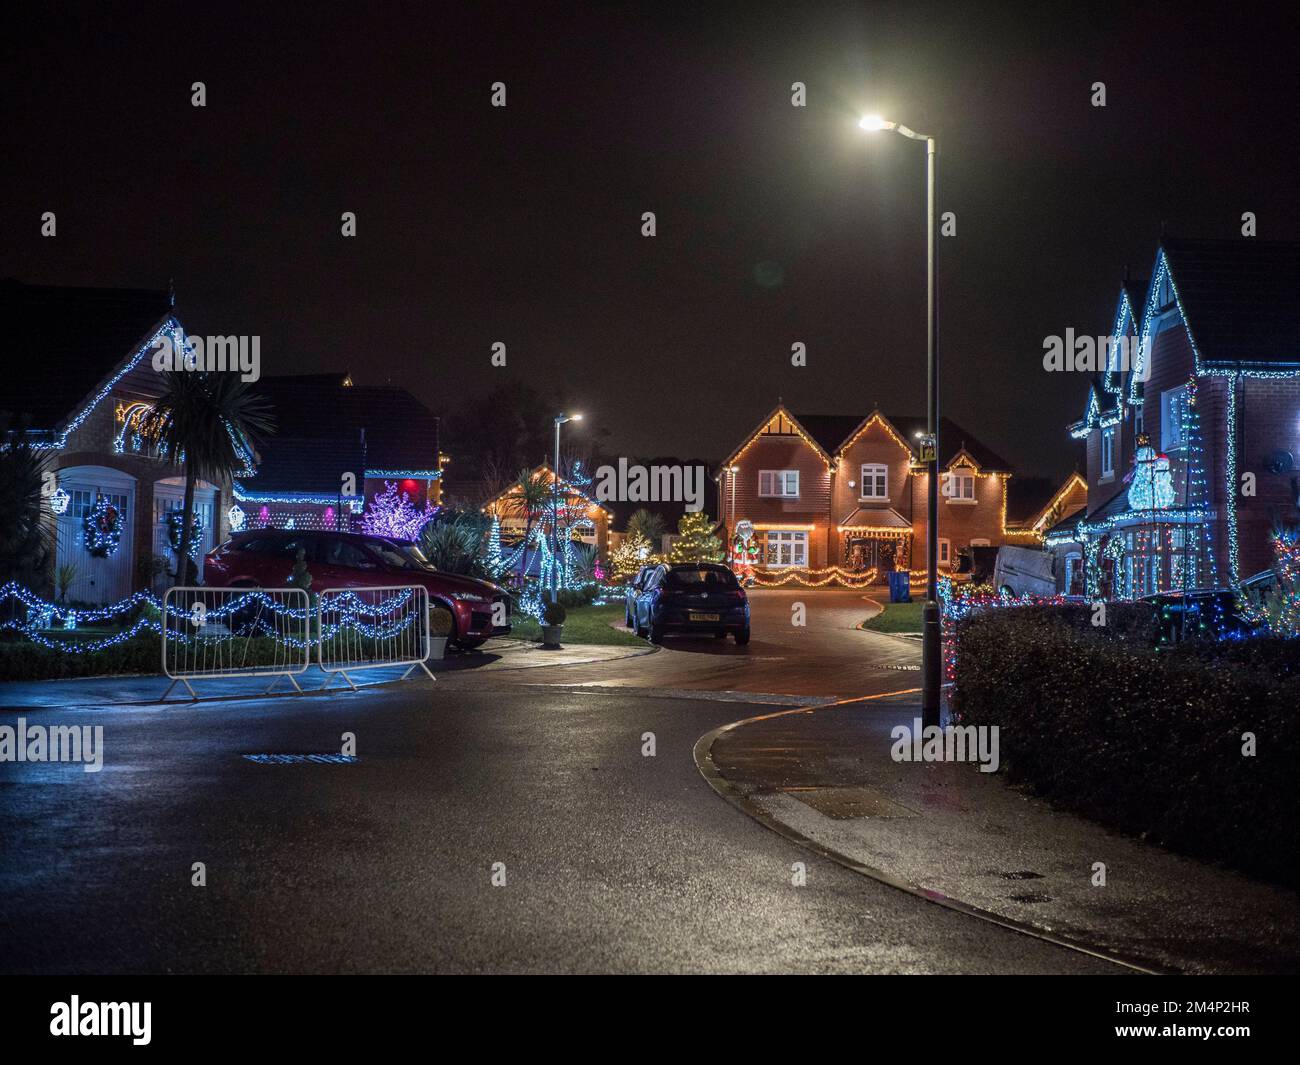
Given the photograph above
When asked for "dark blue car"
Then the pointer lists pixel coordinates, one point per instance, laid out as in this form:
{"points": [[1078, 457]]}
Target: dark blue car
{"points": [[692, 597]]}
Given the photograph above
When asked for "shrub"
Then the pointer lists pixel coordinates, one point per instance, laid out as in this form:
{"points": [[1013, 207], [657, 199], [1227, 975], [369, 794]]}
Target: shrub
{"points": [[1147, 741], [554, 613], [440, 621]]}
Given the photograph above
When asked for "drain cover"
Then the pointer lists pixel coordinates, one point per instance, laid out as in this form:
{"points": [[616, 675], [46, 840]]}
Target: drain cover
{"points": [[843, 804], [294, 759]]}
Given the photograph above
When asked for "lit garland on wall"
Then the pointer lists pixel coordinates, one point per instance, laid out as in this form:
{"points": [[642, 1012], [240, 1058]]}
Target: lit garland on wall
{"points": [[813, 578]]}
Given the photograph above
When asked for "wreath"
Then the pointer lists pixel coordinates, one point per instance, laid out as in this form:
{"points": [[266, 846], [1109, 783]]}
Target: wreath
{"points": [[103, 528], [175, 522]]}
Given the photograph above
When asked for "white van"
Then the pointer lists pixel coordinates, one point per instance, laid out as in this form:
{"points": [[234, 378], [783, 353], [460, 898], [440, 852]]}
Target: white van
{"points": [[1024, 571]]}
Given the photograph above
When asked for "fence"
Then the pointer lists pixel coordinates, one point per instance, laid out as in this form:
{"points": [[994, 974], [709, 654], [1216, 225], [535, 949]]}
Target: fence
{"points": [[370, 628], [235, 632]]}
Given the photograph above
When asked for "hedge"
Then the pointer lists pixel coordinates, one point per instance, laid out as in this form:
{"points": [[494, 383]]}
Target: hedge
{"points": [[1147, 741]]}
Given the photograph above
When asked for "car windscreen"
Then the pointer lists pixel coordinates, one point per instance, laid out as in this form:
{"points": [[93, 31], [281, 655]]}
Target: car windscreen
{"points": [[701, 580], [401, 556]]}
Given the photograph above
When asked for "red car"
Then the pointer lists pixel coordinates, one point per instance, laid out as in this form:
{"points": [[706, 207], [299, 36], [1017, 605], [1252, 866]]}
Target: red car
{"points": [[264, 558]]}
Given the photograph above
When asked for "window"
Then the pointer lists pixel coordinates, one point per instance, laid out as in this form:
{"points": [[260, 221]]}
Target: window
{"points": [[1139, 421], [783, 484], [712, 579], [875, 481], [959, 487], [785, 547], [945, 552], [1173, 408], [1108, 453]]}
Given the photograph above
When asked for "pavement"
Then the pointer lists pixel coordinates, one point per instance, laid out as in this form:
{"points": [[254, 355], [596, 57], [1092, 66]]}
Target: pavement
{"points": [[943, 830], [615, 860]]}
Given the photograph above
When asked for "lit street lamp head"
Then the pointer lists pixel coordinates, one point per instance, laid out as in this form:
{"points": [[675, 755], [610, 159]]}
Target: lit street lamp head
{"points": [[874, 123]]}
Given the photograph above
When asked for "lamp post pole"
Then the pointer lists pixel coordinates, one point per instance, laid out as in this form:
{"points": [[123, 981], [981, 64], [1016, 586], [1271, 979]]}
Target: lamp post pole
{"points": [[931, 642]]}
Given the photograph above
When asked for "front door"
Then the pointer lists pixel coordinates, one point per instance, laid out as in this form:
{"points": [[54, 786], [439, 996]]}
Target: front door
{"points": [[94, 579]]}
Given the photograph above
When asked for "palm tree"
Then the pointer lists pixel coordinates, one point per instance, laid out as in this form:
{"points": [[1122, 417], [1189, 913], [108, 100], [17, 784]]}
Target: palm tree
{"points": [[531, 500], [650, 525], [208, 422], [26, 537]]}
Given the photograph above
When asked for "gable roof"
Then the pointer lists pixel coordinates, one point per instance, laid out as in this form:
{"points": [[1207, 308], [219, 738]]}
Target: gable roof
{"points": [[828, 434], [1239, 300], [64, 344]]}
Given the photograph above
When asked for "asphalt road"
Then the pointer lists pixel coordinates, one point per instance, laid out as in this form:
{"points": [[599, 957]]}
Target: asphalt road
{"points": [[614, 861]]}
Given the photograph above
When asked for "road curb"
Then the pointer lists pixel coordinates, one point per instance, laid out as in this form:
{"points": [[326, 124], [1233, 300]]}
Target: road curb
{"points": [[738, 797]]}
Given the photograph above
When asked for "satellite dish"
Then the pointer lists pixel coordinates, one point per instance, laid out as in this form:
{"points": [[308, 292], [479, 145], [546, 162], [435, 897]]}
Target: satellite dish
{"points": [[1279, 462]]}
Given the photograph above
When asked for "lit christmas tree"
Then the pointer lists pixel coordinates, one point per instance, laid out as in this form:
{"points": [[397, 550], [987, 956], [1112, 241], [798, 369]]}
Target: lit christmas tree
{"points": [[630, 556], [695, 540], [391, 514], [494, 562]]}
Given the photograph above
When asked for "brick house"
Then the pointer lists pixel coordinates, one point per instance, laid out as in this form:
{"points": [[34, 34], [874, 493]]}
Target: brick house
{"points": [[1190, 452], [79, 377], [336, 446], [848, 491]]}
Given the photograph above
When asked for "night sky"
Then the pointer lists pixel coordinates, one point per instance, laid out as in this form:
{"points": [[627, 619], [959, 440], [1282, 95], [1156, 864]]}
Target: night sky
{"points": [[775, 224]]}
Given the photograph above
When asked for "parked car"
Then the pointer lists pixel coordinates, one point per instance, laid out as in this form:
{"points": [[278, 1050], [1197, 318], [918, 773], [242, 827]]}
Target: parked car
{"points": [[699, 597], [264, 558], [634, 589]]}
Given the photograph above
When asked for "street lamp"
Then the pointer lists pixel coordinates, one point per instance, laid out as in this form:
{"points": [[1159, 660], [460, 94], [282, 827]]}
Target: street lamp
{"points": [[930, 645], [560, 419]]}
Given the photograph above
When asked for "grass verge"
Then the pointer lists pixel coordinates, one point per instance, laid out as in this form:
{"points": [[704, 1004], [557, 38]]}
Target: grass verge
{"points": [[584, 625], [897, 617]]}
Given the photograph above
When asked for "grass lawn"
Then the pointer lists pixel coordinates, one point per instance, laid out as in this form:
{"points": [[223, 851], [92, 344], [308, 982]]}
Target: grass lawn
{"points": [[585, 624], [898, 617]]}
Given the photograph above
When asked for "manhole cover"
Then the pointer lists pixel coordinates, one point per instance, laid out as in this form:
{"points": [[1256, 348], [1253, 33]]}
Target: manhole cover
{"points": [[843, 804]]}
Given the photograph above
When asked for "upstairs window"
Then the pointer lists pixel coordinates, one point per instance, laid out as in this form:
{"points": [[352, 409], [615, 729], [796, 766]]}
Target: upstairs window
{"points": [[1173, 409], [959, 487], [1108, 453], [780, 484], [875, 481]]}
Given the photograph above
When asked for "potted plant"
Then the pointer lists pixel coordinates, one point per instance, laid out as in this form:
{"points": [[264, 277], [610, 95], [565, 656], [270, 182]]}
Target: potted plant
{"points": [[553, 615], [439, 630]]}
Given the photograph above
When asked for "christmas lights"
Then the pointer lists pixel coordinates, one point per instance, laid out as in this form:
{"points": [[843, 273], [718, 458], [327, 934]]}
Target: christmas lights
{"points": [[102, 527]]}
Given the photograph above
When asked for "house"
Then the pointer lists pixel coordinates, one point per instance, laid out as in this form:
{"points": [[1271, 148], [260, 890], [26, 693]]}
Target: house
{"points": [[849, 491], [585, 520], [1191, 443], [335, 447], [79, 378]]}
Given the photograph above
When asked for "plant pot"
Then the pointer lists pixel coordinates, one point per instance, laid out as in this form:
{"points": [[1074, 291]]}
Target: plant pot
{"points": [[551, 636], [437, 648]]}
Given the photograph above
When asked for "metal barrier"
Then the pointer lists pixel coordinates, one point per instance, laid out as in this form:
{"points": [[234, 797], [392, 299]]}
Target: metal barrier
{"points": [[370, 628], [235, 632]]}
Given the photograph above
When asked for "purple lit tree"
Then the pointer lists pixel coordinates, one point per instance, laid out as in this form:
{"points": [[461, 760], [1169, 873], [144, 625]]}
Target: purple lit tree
{"points": [[392, 514]]}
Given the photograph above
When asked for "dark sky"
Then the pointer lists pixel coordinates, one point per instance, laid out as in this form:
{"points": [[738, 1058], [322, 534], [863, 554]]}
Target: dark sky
{"points": [[775, 224]]}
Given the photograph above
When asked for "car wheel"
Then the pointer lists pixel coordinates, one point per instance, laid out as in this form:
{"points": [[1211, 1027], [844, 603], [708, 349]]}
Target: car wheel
{"points": [[627, 618], [742, 637], [656, 633]]}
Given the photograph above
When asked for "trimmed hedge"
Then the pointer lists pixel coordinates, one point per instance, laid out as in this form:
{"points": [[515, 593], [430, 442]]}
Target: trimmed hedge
{"points": [[1149, 742]]}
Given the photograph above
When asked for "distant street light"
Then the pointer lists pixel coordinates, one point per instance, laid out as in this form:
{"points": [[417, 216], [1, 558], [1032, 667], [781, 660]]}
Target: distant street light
{"points": [[931, 649], [557, 558]]}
